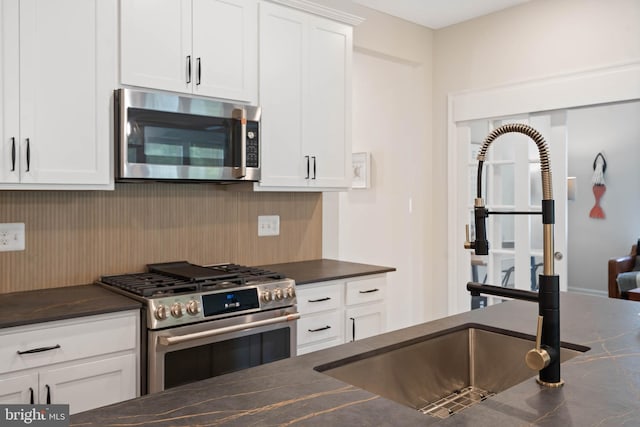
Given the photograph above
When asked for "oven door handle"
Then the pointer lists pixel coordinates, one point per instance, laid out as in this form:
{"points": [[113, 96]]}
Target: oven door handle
{"points": [[167, 341]]}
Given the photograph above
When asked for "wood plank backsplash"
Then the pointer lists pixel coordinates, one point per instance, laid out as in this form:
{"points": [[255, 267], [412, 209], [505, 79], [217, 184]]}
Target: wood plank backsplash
{"points": [[73, 237]]}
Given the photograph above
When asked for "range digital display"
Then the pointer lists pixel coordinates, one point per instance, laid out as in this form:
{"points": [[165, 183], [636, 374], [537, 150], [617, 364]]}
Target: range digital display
{"points": [[228, 302]]}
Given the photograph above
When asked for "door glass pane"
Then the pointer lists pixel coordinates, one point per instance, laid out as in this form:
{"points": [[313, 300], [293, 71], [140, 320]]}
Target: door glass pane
{"points": [[501, 185], [536, 270], [535, 178], [504, 273]]}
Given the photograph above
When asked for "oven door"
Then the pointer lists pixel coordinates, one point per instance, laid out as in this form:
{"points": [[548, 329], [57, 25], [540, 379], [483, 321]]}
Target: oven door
{"points": [[191, 353]]}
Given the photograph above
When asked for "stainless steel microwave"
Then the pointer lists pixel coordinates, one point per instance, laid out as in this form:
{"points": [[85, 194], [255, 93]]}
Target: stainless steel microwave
{"points": [[163, 136]]}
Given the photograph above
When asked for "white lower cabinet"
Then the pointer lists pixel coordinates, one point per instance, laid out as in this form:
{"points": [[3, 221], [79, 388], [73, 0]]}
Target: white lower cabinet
{"points": [[86, 362], [330, 312]]}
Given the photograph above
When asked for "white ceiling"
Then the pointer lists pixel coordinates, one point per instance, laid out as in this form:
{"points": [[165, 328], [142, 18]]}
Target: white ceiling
{"points": [[438, 13]]}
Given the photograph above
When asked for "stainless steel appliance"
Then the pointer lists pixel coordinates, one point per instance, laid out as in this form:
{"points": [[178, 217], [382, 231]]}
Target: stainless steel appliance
{"points": [[163, 136], [202, 322]]}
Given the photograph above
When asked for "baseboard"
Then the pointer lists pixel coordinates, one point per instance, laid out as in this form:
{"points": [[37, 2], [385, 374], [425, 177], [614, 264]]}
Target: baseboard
{"points": [[586, 291]]}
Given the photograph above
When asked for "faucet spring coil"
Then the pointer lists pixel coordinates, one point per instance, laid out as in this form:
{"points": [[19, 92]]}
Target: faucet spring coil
{"points": [[543, 150]]}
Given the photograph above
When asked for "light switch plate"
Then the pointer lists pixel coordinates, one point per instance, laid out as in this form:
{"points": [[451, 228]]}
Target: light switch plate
{"points": [[12, 237], [268, 225]]}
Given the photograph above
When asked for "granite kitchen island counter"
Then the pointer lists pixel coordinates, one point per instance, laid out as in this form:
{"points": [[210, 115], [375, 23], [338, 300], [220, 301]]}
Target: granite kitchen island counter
{"points": [[602, 386]]}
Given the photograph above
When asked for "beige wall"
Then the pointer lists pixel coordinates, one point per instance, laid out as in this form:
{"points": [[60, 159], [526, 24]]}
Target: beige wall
{"points": [[538, 39], [392, 121], [73, 237]]}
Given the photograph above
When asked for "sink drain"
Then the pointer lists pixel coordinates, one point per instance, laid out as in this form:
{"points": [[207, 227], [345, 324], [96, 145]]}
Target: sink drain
{"points": [[456, 402]]}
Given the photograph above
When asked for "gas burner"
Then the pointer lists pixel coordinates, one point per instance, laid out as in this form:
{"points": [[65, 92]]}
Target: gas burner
{"points": [[182, 277]]}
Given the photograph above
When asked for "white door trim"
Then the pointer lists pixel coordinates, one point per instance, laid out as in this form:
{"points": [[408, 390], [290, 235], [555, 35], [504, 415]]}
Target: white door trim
{"points": [[616, 83]]}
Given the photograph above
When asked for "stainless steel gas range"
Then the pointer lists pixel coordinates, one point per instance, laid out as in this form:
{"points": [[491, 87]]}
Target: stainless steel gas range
{"points": [[205, 321]]}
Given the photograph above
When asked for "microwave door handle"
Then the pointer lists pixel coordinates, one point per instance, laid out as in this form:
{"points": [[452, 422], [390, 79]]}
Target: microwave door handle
{"points": [[241, 115]]}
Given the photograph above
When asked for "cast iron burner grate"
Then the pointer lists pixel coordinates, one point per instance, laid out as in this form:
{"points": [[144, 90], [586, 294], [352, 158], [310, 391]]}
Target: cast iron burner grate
{"points": [[155, 284], [456, 402]]}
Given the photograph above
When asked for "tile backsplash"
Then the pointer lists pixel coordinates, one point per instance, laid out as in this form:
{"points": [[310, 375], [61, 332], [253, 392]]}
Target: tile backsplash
{"points": [[73, 237]]}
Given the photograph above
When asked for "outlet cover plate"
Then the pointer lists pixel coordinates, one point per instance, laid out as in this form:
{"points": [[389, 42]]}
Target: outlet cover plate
{"points": [[12, 237], [268, 225]]}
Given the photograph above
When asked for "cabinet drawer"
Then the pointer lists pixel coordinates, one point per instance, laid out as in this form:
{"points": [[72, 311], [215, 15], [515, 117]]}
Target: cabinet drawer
{"points": [[319, 346], [64, 340], [366, 290], [320, 327], [319, 298]]}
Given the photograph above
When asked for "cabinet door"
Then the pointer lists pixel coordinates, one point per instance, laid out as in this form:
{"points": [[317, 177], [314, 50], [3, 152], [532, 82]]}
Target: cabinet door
{"points": [[155, 44], [9, 91], [225, 49], [365, 321], [67, 53], [282, 93], [90, 385], [19, 389], [328, 106]]}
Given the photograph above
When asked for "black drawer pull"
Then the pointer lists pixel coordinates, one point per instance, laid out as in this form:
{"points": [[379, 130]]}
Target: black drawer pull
{"points": [[370, 291], [324, 328], [319, 299], [39, 349], [48, 394], [31, 397]]}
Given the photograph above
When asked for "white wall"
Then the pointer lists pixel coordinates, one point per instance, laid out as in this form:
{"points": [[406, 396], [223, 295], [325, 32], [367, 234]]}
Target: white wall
{"points": [[614, 130], [539, 39]]}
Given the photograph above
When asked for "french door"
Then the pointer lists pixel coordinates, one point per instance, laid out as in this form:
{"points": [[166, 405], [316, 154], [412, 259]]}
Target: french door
{"points": [[512, 183]]}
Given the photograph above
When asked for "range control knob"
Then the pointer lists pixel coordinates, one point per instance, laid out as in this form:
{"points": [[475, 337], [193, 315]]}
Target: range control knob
{"points": [[290, 292], [161, 312], [251, 135], [277, 294], [266, 296], [193, 307], [177, 309]]}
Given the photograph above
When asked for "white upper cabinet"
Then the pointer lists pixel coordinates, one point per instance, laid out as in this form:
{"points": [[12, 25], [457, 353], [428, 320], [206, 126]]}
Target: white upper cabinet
{"points": [[305, 95], [57, 74], [205, 47]]}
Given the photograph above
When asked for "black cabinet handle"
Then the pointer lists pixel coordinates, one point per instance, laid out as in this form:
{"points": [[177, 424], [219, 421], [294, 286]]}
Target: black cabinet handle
{"points": [[28, 155], [307, 157], [39, 349], [198, 70], [319, 299], [353, 328], [369, 291], [48, 394], [31, 397], [13, 154], [188, 68], [314, 167], [324, 328]]}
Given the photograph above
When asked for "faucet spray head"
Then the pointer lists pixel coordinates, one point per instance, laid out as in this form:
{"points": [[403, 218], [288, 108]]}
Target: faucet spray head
{"points": [[480, 212]]}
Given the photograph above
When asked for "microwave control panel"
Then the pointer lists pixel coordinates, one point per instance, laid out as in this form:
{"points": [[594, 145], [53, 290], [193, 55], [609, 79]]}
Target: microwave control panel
{"points": [[252, 144]]}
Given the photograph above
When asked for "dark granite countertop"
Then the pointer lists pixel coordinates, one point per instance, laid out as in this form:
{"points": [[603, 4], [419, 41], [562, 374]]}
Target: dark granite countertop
{"points": [[602, 385], [321, 270], [44, 305]]}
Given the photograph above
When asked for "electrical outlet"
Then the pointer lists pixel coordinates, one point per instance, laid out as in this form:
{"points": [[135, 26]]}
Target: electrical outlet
{"points": [[268, 225], [12, 237]]}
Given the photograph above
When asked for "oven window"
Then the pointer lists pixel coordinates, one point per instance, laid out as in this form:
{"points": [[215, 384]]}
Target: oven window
{"points": [[210, 360]]}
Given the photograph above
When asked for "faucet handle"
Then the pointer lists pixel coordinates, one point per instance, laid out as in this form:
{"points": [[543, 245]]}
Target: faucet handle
{"points": [[538, 358]]}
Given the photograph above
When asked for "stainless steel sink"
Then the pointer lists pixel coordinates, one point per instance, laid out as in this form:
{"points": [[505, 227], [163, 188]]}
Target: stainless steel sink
{"points": [[443, 373]]}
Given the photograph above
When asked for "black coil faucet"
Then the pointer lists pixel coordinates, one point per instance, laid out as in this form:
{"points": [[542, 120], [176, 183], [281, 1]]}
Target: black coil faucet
{"points": [[545, 357]]}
